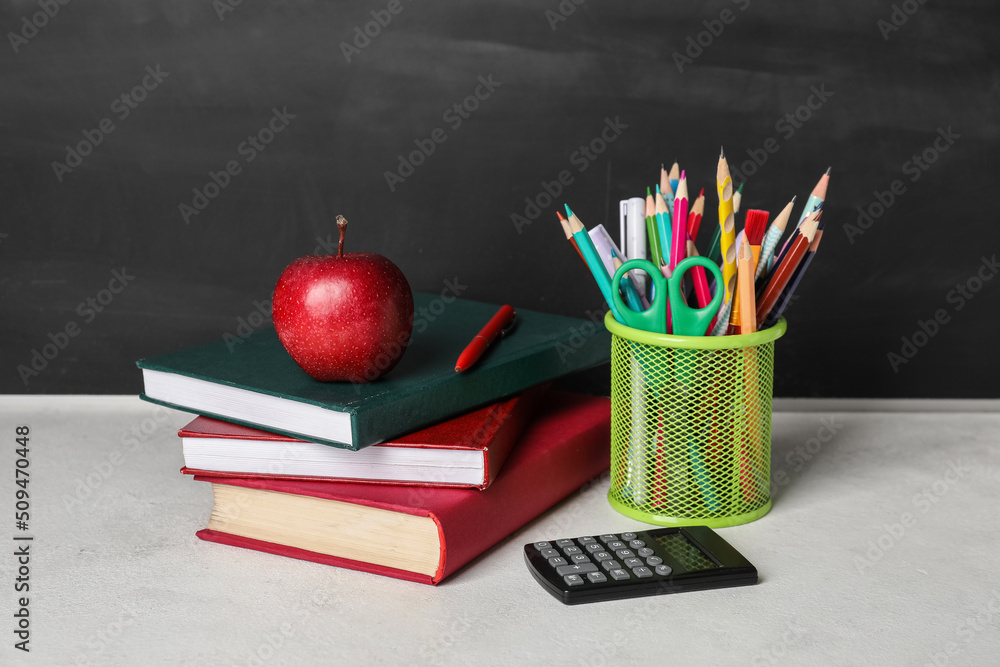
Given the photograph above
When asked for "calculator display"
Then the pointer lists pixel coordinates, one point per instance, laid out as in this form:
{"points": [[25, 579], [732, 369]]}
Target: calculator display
{"points": [[685, 552]]}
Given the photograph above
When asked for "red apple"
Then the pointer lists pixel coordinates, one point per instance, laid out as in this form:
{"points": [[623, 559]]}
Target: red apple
{"points": [[344, 316]]}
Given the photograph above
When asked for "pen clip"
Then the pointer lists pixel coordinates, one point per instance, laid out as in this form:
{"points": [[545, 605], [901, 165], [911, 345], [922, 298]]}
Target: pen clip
{"points": [[510, 327]]}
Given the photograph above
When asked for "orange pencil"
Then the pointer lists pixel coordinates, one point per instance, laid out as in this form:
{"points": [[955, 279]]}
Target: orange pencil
{"points": [[744, 272], [569, 236]]}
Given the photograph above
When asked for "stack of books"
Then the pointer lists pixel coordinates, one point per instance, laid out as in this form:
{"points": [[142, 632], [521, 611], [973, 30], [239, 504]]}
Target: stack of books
{"points": [[411, 476]]}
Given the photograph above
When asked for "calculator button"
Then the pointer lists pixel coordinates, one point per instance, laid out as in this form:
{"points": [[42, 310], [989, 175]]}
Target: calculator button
{"points": [[549, 553], [602, 555], [615, 545], [597, 577], [573, 580], [542, 545], [645, 551], [579, 558], [586, 540], [633, 562], [653, 560], [576, 569], [564, 543], [619, 575], [636, 544], [591, 548], [642, 572], [608, 538], [628, 536], [663, 570], [625, 553], [609, 565], [557, 561], [569, 551]]}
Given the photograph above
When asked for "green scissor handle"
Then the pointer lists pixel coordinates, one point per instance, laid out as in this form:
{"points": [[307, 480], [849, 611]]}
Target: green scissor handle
{"points": [[654, 318], [686, 321], [689, 321]]}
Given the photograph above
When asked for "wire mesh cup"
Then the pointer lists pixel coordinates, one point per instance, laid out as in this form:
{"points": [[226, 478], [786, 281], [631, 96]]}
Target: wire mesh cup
{"points": [[691, 426]]}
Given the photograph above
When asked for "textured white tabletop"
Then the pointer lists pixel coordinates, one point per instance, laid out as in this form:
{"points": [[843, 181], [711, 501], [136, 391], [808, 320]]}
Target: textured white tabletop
{"points": [[883, 547]]}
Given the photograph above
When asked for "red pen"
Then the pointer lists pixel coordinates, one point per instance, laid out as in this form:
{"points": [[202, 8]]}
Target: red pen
{"points": [[496, 327]]}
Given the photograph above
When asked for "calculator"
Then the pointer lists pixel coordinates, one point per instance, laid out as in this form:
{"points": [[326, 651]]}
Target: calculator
{"points": [[616, 566]]}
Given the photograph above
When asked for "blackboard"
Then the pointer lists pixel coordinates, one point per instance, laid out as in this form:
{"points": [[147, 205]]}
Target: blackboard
{"points": [[487, 103]]}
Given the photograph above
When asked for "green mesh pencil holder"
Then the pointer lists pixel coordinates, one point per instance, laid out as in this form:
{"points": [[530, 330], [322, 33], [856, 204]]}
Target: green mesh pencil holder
{"points": [[691, 426]]}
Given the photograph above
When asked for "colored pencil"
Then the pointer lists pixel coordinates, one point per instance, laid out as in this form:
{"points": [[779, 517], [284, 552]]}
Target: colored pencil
{"points": [[594, 262], [664, 224], [748, 318], [678, 242], [814, 203], [655, 251], [784, 271], [695, 216], [675, 175], [700, 279], [724, 185], [786, 294], [772, 237], [569, 235], [776, 260], [753, 232], [631, 295], [668, 192]]}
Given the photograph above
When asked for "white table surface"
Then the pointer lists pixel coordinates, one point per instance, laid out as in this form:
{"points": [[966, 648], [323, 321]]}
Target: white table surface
{"points": [[119, 578]]}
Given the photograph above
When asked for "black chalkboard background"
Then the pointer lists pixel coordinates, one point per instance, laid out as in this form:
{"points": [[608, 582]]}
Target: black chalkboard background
{"points": [[887, 91]]}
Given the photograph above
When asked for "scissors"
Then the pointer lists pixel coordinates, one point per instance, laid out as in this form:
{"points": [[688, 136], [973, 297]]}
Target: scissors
{"points": [[686, 321]]}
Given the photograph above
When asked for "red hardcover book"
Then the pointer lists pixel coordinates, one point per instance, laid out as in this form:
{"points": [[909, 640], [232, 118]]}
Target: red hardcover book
{"points": [[421, 534], [467, 451]]}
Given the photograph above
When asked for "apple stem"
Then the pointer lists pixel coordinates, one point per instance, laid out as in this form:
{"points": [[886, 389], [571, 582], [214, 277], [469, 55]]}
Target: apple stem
{"points": [[342, 226]]}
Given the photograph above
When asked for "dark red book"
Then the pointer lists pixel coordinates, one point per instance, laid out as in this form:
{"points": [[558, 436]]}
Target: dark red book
{"points": [[467, 451], [421, 534]]}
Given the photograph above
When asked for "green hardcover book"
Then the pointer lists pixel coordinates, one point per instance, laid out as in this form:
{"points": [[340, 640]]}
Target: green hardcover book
{"points": [[257, 383]]}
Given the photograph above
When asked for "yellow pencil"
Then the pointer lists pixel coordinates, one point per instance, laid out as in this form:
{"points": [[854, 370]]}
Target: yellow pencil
{"points": [[727, 242]]}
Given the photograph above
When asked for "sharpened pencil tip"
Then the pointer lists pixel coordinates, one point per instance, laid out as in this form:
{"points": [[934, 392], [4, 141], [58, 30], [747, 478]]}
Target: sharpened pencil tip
{"points": [[613, 253], [658, 189], [722, 153], [828, 170], [740, 189], [683, 174], [649, 193], [569, 213]]}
